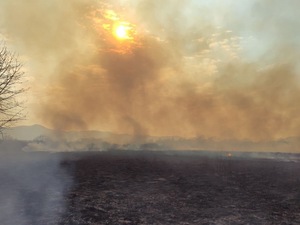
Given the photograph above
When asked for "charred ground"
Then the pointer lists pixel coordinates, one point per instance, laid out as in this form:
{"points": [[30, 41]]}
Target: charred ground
{"points": [[138, 187]]}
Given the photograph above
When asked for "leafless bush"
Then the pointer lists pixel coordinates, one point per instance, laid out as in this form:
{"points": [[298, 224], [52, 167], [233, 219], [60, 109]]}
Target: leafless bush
{"points": [[10, 88]]}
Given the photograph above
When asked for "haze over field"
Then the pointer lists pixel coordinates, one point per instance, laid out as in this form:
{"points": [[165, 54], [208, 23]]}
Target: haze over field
{"points": [[226, 70], [150, 112]]}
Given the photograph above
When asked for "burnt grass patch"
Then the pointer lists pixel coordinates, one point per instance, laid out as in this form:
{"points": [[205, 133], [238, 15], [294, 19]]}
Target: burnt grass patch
{"points": [[131, 187], [144, 187]]}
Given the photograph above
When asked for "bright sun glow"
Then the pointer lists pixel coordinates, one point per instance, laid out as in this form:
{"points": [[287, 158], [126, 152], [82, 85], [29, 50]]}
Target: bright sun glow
{"points": [[120, 35], [122, 31], [118, 28]]}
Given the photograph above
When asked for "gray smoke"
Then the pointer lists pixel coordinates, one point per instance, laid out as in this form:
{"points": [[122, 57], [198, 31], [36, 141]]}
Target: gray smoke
{"points": [[33, 186], [217, 70]]}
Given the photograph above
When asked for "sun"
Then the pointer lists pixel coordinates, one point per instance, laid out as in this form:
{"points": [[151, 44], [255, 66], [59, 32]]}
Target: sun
{"points": [[122, 31], [118, 28], [118, 34]]}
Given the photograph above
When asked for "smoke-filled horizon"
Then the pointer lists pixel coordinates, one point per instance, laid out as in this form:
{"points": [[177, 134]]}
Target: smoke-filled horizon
{"points": [[226, 70]]}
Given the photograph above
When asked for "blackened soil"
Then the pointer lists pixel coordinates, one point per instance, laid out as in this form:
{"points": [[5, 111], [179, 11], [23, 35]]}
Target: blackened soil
{"points": [[132, 187], [157, 188]]}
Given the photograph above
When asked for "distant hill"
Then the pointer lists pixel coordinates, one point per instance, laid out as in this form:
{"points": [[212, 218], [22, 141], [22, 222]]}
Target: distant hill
{"points": [[125, 141], [27, 132]]}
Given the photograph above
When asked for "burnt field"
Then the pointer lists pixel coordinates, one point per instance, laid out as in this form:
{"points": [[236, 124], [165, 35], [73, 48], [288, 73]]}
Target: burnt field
{"points": [[132, 187]]}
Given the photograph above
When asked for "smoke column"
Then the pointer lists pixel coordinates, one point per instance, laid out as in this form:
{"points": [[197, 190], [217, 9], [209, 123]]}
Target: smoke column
{"points": [[223, 70]]}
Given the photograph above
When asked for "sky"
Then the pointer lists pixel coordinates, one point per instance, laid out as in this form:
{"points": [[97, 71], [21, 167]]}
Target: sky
{"points": [[190, 68]]}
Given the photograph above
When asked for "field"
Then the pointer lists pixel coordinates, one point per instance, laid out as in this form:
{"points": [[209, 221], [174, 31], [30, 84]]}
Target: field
{"points": [[140, 187]]}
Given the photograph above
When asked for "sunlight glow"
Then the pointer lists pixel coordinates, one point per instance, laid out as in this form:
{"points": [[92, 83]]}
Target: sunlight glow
{"points": [[120, 35], [122, 31]]}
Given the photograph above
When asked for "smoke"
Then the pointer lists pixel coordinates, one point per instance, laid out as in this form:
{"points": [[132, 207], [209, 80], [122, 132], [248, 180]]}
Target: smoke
{"points": [[33, 186], [223, 70]]}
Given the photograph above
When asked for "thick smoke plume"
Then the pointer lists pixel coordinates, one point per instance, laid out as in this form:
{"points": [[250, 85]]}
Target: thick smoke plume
{"points": [[223, 70]]}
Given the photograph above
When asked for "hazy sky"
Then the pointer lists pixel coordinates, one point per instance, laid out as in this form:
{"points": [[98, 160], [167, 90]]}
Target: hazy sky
{"points": [[223, 69]]}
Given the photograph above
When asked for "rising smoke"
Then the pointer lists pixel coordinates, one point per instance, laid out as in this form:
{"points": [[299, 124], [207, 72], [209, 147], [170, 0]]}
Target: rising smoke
{"points": [[33, 186], [226, 70]]}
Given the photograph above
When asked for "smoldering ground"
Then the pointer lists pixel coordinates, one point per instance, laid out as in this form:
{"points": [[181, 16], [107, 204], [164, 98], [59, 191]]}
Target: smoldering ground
{"points": [[222, 70], [33, 186]]}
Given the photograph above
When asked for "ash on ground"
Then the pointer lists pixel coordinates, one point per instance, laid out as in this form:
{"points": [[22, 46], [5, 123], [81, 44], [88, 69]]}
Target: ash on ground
{"points": [[138, 187]]}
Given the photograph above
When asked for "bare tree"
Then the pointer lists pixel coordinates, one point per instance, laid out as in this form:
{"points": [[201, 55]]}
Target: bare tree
{"points": [[10, 88]]}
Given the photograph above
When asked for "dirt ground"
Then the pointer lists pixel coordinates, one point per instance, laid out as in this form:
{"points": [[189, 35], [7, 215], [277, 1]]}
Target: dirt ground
{"points": [[129, 187]]}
